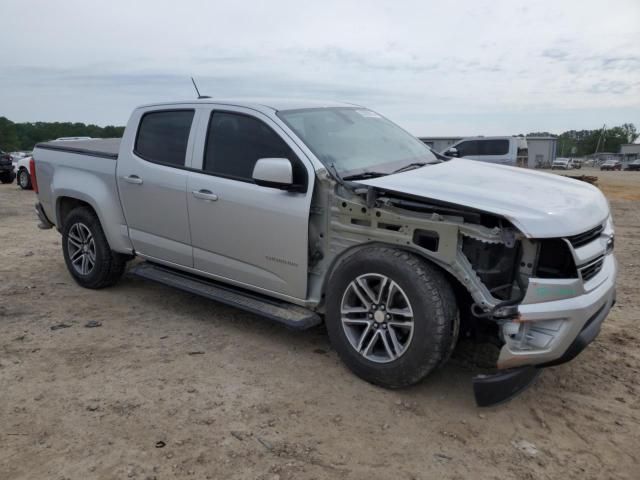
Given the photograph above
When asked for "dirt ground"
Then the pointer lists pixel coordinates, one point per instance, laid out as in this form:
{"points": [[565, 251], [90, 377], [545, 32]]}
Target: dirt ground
{"points": [[176, 386]]}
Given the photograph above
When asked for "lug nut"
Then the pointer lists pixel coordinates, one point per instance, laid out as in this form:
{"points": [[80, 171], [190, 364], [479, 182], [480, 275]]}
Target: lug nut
{"points": [[371, 315], [381, 307]]}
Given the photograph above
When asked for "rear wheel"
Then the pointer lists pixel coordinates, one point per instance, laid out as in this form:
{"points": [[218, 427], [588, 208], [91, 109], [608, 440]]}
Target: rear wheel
{"points": [[391, 316], [7, 177], [87, 254], [24, 179]]}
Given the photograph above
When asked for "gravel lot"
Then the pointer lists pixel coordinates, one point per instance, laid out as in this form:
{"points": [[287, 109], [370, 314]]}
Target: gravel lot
{"points": [[175, 386]]}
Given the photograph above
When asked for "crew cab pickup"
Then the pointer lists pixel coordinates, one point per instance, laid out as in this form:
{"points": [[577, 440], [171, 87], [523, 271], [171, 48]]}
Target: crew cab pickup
{"points": [[310, 212]]}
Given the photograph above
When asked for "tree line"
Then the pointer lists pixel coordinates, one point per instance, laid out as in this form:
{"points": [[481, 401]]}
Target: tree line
{"points": [[576, 143], [23, 136]]}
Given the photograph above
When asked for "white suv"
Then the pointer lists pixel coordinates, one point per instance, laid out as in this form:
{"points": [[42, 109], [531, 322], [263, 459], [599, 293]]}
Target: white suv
{"points": [[502, 150]]}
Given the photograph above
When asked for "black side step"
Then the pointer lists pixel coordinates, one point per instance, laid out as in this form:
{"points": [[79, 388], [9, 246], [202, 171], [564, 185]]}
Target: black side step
{"points": [[293, 316]]}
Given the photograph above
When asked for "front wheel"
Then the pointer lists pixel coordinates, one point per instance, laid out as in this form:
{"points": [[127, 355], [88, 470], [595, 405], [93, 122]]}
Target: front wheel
{"points": [[391, 316], [89, 258], [24, 179]]}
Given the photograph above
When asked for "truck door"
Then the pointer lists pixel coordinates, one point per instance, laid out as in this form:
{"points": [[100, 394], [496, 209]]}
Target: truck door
{"points": [[152, 182], [252, 235]]}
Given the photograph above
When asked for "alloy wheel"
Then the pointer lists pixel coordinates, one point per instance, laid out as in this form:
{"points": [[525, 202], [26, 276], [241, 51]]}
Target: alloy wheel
{"points": [[81, 248], [377, 318]]}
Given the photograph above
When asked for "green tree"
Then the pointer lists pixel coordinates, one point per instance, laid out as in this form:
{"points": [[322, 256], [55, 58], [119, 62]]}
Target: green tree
{"points": [[8, 136], [630, 132]]}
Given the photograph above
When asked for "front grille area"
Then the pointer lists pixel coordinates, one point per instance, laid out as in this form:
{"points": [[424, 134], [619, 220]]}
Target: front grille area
{"points": [[555, 260], [592, 269], [586, 237]]}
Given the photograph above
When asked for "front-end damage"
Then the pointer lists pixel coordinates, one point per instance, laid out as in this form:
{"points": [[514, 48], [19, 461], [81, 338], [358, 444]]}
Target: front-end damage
{"points": [[504, 275]]}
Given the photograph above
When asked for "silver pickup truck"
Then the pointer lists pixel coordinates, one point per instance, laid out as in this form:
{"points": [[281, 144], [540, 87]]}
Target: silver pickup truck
{"points": [[308, 212]]}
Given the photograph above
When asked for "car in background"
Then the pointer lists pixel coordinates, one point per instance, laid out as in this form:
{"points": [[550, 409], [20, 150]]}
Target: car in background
{"points": [[7, 175], [561, 163], [502, 150], [23, 175], [576, 163], [633, 166], [611, 165]]}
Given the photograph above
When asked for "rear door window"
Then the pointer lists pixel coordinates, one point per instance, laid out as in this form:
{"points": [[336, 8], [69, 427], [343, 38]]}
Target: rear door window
{"points": [[163, 136]]}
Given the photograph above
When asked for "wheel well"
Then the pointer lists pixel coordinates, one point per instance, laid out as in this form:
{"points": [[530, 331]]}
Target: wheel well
{"points": [[66, 205], [463, 297]]}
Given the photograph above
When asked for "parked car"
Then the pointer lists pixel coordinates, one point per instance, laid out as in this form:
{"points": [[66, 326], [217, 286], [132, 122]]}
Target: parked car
{"points": [[7, 174], [576, 163], [306, 212], [611, 165], [503, 150], [22, 173], [562, 164], [633, 166]]}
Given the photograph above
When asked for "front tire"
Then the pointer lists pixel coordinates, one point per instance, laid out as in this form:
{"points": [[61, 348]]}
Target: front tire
{"points": [[391, 316], [89, 259], [24, 179]]}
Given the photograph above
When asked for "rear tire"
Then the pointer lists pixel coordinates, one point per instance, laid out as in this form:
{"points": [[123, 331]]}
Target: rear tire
{"points": [[417, 329], [24, 179], [89, 259], [7, 177]]}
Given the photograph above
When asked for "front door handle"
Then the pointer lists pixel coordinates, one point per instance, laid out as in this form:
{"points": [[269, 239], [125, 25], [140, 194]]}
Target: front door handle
{"points": [[135, 179], [205, 195]]}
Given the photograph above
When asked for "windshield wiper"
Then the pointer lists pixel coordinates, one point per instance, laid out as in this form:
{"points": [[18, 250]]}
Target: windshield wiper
{"points": [[411, 166], [364, 175]]}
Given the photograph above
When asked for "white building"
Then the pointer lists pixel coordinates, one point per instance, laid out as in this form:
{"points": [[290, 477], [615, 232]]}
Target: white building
{"points": [[630, 151], [542, 151]]}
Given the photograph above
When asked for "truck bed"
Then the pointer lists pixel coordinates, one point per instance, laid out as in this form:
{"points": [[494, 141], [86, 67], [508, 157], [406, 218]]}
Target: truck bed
{"points": [[97, 147]]}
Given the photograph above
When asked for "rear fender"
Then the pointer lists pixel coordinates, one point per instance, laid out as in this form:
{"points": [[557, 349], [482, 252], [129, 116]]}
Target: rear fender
{"points": [[104, 200]]}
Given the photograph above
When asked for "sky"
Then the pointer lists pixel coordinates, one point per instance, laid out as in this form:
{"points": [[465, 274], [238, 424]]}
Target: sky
{"points": [[455, 67]]}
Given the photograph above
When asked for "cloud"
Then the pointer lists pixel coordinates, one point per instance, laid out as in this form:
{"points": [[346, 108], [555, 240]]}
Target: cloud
{"points": [[555, 54], [435, 67], [615, 87]]}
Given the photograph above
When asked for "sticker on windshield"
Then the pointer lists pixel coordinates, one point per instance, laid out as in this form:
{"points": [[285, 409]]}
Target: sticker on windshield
{"points": [[368, 113]]}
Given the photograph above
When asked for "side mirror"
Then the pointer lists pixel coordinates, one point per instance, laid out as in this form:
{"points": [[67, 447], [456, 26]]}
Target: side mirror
{"points": [[452, 152], [274, 173]]}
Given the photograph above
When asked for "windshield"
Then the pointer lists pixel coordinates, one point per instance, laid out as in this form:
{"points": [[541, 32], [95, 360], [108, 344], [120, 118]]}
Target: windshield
{"points": [[356, 140]]}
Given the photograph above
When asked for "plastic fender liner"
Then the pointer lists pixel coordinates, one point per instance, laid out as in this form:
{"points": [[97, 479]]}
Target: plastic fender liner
{"points": [[500, 387]]}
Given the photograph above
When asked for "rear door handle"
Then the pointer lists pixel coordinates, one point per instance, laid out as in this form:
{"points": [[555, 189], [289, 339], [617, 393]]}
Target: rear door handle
{"points": [[205, 195], [135, 179]]}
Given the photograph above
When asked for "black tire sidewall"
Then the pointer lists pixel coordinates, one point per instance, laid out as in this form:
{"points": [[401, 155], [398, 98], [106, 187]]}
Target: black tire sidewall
{"points": [[431, 324], [103, 252]]}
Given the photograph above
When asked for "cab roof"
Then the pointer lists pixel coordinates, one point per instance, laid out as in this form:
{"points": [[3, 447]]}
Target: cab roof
{"points": [[261, 104]]}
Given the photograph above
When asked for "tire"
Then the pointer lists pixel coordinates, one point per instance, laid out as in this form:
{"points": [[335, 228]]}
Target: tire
{"points": [[7, 177], [24, 179], [420, 286], [82, 231]]}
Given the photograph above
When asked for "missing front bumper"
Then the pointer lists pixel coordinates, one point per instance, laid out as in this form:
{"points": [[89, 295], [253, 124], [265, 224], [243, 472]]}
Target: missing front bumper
{"points": [[500, 387]]}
